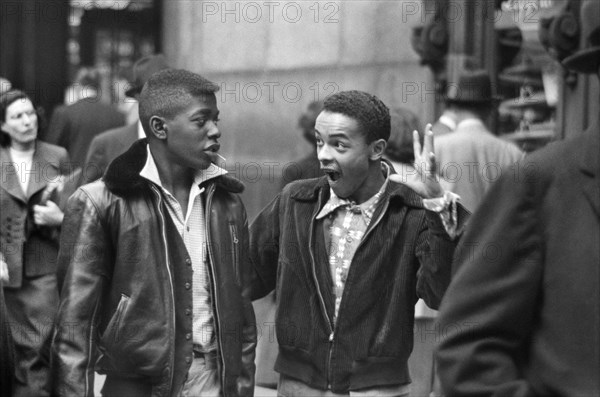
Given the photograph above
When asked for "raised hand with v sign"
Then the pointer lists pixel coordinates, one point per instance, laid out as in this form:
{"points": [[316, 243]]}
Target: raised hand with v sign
{"points": [[426, 181]]}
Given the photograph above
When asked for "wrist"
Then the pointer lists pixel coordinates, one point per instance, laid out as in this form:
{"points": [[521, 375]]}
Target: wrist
{"points": [[441, 203]]}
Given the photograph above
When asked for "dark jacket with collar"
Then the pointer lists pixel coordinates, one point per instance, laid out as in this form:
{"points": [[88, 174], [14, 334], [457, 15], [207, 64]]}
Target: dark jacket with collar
{"points": [[127, 285], [405, 254], [29, 250], [527, 282]]}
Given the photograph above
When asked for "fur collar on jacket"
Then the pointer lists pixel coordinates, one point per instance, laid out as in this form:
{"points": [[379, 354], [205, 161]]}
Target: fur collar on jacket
{"points": [[122, 177]]}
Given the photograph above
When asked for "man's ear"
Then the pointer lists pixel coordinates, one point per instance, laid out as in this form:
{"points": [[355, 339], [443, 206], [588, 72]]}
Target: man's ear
{"points": [[377, 149], [158, 127]]}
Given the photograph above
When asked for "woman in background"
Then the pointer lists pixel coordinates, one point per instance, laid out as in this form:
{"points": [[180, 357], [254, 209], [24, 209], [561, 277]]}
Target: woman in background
{"points": [[29, 227]]}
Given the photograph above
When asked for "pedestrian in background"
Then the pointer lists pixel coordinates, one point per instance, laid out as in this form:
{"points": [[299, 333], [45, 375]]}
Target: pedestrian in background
{"points": [[470, 157], [74, 126], [29, 232]]}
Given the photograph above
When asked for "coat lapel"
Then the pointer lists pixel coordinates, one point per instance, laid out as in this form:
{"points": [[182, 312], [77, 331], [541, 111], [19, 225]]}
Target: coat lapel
{"points": [[10, 178], [45, 172], [590, 167]]}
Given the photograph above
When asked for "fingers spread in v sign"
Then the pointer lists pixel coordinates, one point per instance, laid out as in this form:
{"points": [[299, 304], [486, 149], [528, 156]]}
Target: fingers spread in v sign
{"points": [[426, 183]]}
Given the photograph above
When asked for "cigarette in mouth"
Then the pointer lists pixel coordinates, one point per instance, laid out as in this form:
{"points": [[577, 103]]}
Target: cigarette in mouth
{"points": [[221, 157]]}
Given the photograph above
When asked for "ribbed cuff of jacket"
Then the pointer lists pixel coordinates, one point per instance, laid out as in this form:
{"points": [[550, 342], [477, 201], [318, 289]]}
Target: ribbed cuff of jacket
{"points": [[446, 207]]}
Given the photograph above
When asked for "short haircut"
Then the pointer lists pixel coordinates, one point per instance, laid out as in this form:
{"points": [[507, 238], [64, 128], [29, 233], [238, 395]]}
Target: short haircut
{"points": [[370, 112], [7, 99], [169, 91], [400, 145]]}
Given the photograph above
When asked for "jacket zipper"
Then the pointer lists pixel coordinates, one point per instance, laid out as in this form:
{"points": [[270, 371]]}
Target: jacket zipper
{"points": [[332, 327], [322, 300], [164, 236], [331, 340], [210, 264], [234, 245]]}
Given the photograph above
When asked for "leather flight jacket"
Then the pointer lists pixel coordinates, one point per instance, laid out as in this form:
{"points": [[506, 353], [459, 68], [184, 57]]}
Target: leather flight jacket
{"points": [[126, 286]]}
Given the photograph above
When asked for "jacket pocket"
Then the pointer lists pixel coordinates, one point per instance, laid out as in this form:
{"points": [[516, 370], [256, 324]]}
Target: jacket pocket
{"points": [[235, 251], [112, 333]]}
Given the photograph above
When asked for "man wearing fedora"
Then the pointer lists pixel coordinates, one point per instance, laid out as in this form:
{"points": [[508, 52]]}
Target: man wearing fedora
{"points": [[109, 144], [523, 318], [471, 157], [74, 126]]}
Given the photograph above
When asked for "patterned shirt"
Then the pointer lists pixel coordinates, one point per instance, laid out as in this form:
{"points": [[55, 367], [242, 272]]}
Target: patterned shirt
{"points": [[192, 229], [349, 222]]}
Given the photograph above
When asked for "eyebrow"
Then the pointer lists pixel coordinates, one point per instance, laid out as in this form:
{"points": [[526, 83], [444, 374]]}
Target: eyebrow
{"points": [[335, 136], [203, 112], [339, 135]]}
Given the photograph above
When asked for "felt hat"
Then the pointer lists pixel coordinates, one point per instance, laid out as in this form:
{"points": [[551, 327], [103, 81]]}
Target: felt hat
{"points": [[473, 86]]}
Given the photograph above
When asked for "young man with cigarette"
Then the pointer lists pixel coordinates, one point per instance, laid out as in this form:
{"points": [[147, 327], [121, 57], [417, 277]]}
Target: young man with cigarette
{"points": [[151, 257]]}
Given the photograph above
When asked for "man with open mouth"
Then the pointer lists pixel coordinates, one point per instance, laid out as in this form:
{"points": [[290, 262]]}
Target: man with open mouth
{"points": [[349, 254]]}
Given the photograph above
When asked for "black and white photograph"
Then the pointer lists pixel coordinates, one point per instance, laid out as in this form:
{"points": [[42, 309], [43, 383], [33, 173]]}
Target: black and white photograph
{"points": [[303, 198]]}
